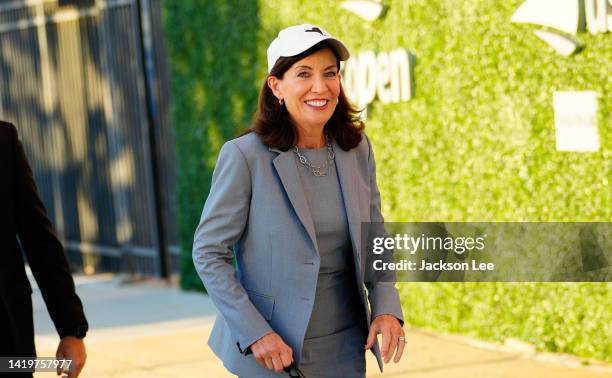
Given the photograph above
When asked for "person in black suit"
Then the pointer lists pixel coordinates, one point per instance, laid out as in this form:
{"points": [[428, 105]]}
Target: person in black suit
{"points": [[24, 226]]}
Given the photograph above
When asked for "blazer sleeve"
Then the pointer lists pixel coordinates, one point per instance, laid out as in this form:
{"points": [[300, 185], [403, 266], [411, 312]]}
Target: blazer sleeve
{"points": [[222, 223], [44, 251], [382, 293]]}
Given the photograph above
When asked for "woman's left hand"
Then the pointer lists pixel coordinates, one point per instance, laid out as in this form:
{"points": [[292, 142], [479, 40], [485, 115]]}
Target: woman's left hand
{"points": [[392, 337]]}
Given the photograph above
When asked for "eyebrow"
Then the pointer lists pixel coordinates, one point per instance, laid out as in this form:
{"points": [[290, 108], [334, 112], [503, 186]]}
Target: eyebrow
{"points": [[310, 68]]}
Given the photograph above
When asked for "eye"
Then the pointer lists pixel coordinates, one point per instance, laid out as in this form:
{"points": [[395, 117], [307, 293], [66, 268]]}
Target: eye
{"points": [[303, 74], [330, 74]]}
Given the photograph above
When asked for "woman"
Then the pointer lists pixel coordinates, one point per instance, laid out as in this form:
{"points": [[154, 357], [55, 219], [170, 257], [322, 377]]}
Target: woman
{"points": [[289, 196]]}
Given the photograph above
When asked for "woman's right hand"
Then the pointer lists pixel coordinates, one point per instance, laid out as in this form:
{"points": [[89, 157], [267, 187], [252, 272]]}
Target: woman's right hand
{"points": [[271, 352]]}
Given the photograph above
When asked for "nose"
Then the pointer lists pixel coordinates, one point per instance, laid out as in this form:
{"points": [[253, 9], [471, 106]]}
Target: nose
{"points": [[318, 84]]}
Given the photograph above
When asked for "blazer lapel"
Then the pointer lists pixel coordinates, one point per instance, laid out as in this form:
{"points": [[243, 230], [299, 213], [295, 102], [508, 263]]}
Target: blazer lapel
{"points": [[347, 173], [287, 171]]}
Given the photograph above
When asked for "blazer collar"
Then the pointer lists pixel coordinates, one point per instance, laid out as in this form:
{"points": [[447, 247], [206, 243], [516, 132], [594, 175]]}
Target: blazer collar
{"points": [[290, 178], [346, 162], [346, 165]]}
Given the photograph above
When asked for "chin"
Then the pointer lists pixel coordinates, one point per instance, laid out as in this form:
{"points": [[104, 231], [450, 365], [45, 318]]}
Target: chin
{"points": [[320, 120], [318, 123]]}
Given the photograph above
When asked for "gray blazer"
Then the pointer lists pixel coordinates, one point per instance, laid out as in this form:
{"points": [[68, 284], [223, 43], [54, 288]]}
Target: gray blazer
{"points": [[257, 206]]}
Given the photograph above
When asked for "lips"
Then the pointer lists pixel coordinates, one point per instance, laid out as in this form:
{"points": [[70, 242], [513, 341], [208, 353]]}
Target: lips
{"points": [[317, 103]]}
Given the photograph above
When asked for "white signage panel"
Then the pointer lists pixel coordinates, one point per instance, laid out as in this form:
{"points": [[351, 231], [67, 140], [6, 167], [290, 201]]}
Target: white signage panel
{"points": [[576, 121], [386, 75]]}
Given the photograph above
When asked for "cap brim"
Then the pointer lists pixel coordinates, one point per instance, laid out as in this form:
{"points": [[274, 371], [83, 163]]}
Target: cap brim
{"points": [[341, 50]]}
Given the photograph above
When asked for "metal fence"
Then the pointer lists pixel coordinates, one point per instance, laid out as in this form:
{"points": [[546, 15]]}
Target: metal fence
{"points": [[86, 84]]}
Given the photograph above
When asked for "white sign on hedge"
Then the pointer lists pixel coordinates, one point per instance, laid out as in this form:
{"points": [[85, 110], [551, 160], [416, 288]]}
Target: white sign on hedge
{"points": [[576, 121], [569, 16], [386, 75]]}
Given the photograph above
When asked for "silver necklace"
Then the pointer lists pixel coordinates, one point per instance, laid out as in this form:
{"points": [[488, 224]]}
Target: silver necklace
{"points": [[317, 171]]}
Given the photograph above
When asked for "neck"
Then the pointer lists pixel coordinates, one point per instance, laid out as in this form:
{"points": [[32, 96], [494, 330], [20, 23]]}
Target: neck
{"points": [[308, 138]]}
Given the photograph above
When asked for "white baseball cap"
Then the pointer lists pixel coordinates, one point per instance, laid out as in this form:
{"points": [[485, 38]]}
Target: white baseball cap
{"points": [[296, 39]]}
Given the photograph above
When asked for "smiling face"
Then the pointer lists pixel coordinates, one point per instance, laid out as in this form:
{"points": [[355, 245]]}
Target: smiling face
{"points": [[310, 89]]}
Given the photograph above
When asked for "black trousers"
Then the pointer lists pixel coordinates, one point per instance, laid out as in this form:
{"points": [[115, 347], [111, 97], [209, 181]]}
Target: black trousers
{"points": [[17, 332]]}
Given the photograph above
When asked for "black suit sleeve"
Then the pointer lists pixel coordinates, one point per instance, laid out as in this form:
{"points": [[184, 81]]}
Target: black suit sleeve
{"points": [[44, 251]]}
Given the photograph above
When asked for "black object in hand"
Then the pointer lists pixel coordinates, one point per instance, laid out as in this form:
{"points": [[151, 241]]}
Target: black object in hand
{"points": [[293, 371]]}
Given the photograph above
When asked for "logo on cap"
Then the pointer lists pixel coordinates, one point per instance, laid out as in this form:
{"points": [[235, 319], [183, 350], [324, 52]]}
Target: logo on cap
{"points": [[315, 30]]}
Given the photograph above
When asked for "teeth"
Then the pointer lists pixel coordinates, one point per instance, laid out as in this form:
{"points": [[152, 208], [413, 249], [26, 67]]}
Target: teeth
{"points": [[317, 103]]}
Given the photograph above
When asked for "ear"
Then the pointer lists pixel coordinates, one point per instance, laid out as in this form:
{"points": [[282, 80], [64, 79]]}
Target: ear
{"points": [[274, 83]]}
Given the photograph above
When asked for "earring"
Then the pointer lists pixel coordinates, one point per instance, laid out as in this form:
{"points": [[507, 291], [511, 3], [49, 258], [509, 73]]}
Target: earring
{"points": [[281, 102], [337, 100]]}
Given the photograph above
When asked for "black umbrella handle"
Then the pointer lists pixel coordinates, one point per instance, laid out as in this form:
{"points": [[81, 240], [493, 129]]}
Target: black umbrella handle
{"points": [[293, 371]]}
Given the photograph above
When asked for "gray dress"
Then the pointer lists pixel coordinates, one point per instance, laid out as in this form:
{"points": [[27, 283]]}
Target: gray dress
{"points": [[337, 331]]}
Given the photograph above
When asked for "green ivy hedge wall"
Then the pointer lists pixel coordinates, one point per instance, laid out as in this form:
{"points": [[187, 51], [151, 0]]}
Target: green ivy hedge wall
{"points": [[476, 143]]}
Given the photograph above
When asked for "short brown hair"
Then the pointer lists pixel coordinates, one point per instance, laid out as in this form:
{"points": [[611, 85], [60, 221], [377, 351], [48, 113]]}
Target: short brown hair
{"points": [[272, 122]]}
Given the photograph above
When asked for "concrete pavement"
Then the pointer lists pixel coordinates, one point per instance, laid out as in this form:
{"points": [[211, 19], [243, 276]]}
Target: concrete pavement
{"points": [[150, 329]]}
